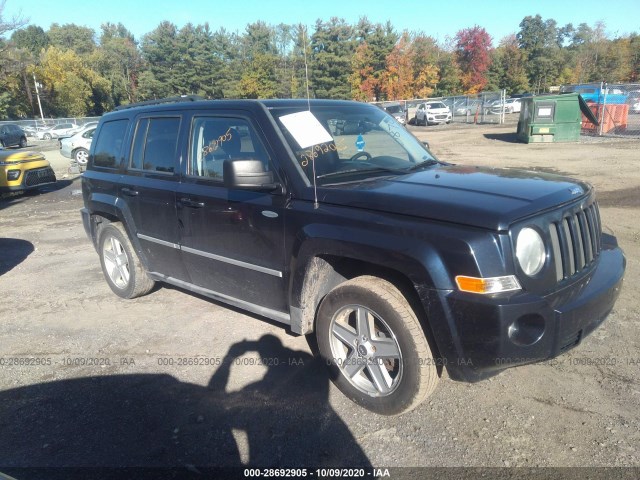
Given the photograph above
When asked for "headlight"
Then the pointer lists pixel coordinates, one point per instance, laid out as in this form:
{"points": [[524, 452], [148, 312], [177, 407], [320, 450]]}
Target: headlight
{"points": [[530, 251]]}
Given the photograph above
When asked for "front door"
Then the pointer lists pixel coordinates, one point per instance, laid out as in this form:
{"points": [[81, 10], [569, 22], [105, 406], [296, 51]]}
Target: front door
{"points": [[232, 241]]}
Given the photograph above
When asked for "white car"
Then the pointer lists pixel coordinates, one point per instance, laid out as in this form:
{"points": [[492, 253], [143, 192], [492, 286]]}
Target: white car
{"points": [[60, 130], [431, 113], [77, 146], [511, 105]]}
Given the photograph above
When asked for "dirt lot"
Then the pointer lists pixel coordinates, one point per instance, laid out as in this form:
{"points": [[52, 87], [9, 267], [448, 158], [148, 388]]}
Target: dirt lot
{"points": [[90, 379]]}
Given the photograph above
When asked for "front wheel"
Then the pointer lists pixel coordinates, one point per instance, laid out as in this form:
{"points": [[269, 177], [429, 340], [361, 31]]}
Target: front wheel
{"points": [[120, 263], [375, 347], [23, 142]]}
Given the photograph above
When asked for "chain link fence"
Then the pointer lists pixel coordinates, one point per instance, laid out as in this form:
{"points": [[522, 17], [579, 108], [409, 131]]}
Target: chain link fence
{"points": [[481, 108], [615, 105]]}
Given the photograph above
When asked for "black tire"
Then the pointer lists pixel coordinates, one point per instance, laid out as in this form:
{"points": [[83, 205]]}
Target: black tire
{"points": [[81, 156], [23, 142], [375, 347], [46, 136], [120, 264]]}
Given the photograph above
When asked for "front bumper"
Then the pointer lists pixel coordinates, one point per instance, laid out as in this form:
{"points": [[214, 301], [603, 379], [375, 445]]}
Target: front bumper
{"points": [[481, 329], [29, 179]]}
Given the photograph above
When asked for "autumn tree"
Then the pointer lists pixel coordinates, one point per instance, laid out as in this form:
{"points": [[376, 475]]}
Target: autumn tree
{"points": [[473, 46], [398, 80], [70, 87]]}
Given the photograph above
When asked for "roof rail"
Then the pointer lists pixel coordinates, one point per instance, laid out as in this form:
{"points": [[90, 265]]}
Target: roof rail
{"points": [[181, 98]]}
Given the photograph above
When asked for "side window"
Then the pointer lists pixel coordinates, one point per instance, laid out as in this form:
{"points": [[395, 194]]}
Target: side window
{"points": [[109, 143], [89, 133], [155, 144], [215, 139]]}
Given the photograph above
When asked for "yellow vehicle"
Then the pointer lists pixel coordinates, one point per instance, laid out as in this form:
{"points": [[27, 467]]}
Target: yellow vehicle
{"points": [[20, 170]]}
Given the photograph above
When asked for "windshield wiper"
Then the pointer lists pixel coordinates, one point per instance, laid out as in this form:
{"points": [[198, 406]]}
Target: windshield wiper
{"points": [[426, 163], [363, 170]]}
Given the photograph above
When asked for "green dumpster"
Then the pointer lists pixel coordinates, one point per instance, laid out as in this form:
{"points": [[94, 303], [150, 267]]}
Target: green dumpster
{"points": [[551, 118]]}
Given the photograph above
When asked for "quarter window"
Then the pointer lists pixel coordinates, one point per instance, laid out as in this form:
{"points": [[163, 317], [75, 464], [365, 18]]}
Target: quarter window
{"points": [[109, 144]]}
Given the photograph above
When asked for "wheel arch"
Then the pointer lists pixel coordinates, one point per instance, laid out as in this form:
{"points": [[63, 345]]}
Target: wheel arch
{"points": [[317, 272], [109, 209]]}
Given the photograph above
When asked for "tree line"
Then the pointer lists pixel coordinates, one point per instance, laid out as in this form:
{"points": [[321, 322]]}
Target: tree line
{"points": [[81, 72]]}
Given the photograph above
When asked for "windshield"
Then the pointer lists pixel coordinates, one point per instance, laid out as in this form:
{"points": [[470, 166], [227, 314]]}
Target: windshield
{"points": [[394, 109], [353, 141]]}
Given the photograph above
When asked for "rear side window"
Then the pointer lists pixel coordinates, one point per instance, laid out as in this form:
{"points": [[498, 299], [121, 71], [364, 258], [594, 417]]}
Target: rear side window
{"points": [[155, 144], [109, 144]]}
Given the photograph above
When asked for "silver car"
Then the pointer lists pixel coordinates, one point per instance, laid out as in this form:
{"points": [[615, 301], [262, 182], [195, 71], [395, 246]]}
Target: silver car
{"points": [[77, 146]]}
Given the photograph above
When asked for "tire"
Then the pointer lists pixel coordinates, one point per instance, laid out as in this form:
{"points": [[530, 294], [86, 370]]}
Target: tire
{"points": [[120, 263], [23, 142], [46, 136], [383, 363], [81, 156]]}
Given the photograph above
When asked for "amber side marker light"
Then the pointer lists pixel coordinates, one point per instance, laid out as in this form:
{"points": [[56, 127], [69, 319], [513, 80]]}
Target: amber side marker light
{"points": [[488, 285]]}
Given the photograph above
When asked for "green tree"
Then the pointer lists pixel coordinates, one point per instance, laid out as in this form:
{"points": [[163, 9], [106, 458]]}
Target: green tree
{"points": [[72, 37], [332, 47], [32, 39]]}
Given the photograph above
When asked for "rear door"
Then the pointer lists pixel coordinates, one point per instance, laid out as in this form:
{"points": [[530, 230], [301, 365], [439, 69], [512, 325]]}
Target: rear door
{"points": [[149, 190], [232, 240]]}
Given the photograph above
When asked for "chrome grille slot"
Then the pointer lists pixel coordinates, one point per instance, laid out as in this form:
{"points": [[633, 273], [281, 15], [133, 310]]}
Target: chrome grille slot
{"points": [[575, 241]]}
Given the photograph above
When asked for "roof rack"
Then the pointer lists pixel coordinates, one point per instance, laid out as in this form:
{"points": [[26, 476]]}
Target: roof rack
{"points": [[180, 98]]}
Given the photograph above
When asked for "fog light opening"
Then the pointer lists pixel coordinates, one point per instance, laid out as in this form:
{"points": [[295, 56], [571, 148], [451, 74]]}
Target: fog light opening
{"points": [[13, 175], [526, 330]]}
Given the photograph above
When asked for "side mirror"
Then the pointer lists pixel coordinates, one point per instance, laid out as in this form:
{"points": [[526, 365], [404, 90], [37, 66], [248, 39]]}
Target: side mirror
{"points": [[247, 175], [426, 144]]}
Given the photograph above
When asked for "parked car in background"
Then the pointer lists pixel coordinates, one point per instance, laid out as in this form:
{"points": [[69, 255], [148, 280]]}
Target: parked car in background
{"points": [[77, 146], [12, 135], [24, 170], [432, 113], [61, 130], [511, 105], [634, 101], [465, 106], [396, 111]]}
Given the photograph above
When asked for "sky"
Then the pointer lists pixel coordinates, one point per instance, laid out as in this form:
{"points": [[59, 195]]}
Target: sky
{"points": [[439, 19]]}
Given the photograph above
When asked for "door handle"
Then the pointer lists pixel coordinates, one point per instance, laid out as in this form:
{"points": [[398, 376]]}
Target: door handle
{"points": [[129, 192], [187, 202]]}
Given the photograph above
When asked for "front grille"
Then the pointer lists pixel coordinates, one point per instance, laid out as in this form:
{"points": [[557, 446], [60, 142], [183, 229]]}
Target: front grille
{"points": [[39, 176], [441, 117], [576, 241]]}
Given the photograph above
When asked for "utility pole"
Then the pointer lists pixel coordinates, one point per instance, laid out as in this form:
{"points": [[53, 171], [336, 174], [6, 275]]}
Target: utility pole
{"points": [[38, 95]]}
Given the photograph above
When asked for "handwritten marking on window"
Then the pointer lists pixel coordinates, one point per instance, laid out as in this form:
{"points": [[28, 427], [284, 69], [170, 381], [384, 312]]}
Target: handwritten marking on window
{"points": [[312, 153], [213, 145]]}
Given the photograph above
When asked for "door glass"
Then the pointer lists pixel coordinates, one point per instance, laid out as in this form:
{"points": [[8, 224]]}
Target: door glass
{"points": [[216, 139]]}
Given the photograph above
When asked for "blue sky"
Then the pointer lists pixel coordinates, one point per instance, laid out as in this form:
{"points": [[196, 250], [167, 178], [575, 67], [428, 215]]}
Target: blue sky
{"points": [[439, 18]]}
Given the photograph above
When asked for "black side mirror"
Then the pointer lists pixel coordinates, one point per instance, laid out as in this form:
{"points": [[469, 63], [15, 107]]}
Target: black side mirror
{"points": [[247, 175], [426, 144]]}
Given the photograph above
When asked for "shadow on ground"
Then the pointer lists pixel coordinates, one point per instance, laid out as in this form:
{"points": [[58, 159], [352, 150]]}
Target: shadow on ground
{"points": [[510, 137], [14, 252], [157, 421]]}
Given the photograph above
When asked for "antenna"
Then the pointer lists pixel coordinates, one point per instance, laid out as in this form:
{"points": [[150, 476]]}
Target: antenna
{"points": [[313, 158]]}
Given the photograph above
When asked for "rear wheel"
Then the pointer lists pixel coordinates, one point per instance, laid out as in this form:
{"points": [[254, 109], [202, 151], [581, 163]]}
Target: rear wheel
{"points": [[81, 156], [47, 136], [375, 346], [120, 264]]}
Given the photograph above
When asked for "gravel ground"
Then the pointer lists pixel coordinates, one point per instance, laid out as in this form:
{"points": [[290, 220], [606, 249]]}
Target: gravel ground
{"points": [[89, 379]]}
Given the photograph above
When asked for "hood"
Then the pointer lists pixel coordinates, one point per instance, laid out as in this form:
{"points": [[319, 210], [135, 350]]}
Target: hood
{"points": [[481, 197], [9, 156]]}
